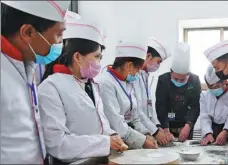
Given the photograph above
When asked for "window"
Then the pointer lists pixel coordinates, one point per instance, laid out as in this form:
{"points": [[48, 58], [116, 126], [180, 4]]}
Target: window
{"points": [[199, 40], [226, 35]]}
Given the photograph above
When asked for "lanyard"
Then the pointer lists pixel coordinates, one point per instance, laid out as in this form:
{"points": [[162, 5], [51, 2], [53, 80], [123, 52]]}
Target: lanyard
{"points": [[129, 96], [40, 71], [36, 115], [37, 119], [146, 87]]}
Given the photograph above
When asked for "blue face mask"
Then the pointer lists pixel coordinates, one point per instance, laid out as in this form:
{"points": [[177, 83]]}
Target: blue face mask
{"points": [[178, 84], [54, 53], [217, 92], [131, 78]]}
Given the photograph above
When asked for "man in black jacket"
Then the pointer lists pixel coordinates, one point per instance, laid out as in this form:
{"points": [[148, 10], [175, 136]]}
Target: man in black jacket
{"points": [[177, 96]]}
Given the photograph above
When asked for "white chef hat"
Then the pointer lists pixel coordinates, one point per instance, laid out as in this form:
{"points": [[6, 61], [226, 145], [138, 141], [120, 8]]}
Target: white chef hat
{"points": [[72, 15], [160, 48], [210, 75], [131, 49], [216, 51], [181, 59], [49, 9], [79, 28]]}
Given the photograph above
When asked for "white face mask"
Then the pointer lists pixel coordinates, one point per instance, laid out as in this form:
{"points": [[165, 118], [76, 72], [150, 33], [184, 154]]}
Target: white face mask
{"points": [[153, 67]]}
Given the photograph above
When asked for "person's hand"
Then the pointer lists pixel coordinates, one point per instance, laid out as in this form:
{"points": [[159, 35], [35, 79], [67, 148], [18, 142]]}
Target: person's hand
{"points": [[116, 143], [168, 134], [160, 129], [162, 138], [221, 138], [184, 133], [207, 139], [150, 143]]}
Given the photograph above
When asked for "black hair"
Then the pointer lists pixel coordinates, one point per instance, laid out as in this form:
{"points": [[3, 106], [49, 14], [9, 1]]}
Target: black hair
{"points": [[71, 46], [153, 52], [120, 61], [12, 19], [223, 57]]}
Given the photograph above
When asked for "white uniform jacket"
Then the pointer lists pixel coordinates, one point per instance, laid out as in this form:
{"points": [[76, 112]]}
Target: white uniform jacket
{"points": [[40, 69], [19, 136], [117, 109], [148, 115], [71, 123], [213, 110]]}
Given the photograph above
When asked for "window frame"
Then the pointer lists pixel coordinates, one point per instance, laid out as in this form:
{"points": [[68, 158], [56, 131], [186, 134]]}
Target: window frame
{"points": [[185, 39], [74, 6]]}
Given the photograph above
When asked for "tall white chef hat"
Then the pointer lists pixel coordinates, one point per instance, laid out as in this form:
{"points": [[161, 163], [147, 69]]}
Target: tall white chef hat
{"points": [[210, 75], [49, 9], [76, 27], [160, 48], [181, 59], [131, 49], [217, 50]]}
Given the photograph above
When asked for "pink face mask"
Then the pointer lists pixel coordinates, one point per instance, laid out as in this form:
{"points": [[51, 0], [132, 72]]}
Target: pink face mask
{"points": [[91, 71], [152, 68]]}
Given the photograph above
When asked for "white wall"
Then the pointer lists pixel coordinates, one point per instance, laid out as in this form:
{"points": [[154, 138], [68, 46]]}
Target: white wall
{"points": [[129, 19]]}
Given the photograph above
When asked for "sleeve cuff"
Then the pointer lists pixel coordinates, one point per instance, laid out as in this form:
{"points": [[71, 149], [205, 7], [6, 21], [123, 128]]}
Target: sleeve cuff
{"points": [[135, 140], [114, 134], [204, 135], [156, 133], [225, 129], [226, 126]]}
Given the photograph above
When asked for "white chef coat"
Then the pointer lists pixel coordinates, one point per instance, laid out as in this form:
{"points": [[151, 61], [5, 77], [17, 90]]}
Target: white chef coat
{"points": [[72, 124], [213, 110], [117, 109], [19, 136], [148, 115]]}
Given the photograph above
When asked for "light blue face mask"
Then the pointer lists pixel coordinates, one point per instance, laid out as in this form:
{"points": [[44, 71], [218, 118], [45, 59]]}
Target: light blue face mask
{"points": [[54, 53], [178, 84], [131, 78], [217, 92]]}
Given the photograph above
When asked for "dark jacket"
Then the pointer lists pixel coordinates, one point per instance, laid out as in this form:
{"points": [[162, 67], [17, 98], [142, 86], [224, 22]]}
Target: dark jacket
{"points": [[183, 101]]}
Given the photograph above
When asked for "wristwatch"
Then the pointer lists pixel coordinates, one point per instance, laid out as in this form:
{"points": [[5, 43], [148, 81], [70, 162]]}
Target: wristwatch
{"points": [[190, 124]]}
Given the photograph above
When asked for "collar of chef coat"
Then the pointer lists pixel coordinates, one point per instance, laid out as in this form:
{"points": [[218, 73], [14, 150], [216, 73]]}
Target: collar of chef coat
{"points": [[59, 68], [10, 50], [116, 73]]}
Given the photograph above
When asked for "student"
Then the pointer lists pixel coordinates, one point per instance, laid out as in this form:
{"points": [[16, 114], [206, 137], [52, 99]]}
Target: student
{"points": [[177, 96], [73, 121], [218, 56], [31, 33], [118, 95], [156, 54], [214, 110], [40, 70]]}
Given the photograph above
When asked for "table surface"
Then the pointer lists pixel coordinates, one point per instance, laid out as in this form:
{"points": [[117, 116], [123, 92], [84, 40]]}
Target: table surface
{"points": [[210, 154]]}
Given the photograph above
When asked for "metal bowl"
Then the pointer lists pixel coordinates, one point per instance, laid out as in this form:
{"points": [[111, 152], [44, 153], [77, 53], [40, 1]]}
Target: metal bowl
{"points": [[189, 154]]}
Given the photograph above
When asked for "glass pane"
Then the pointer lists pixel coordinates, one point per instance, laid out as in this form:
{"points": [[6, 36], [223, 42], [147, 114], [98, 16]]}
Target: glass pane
{"points": [[226, 35], [199, 41]]}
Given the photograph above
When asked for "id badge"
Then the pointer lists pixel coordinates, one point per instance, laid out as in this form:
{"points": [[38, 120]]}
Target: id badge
{"points": [[171, 116], [127, 115], [149, 102]]}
